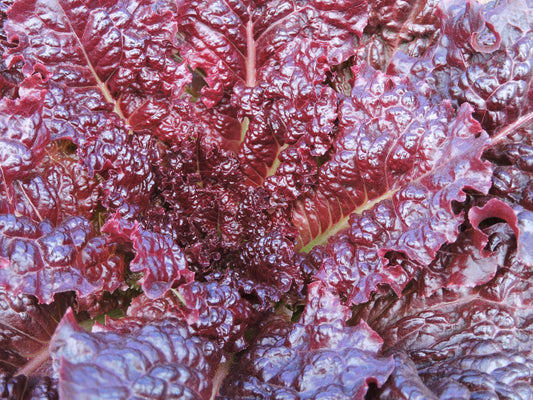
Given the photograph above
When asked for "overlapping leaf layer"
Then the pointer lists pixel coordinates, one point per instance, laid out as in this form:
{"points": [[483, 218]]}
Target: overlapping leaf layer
{"points": [[266, 199]]}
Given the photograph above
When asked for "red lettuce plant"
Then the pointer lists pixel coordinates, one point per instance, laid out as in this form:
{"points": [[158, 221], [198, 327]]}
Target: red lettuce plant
{"points": [[266, 200]]}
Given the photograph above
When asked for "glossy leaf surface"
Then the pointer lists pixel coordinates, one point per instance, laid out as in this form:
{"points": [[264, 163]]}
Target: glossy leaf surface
{"points": [[315, 357]]}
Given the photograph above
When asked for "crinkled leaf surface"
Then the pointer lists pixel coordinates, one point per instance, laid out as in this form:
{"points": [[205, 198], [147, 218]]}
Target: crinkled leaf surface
{"points": [[223, 223], [464, 263], [110, 71], [42, 180], [494, 61], [111, 56], [59, 187], [21, 387], [40, 259], [157, 361], [212, 140], [214, 310], [218, 311], [318, 356], [384, 145], [513, 167], [400, 173], [26, 328], [24, 136], [156, 255], [465, 342], [483, 58], [396, 26], [231, 41], [290, 120], [10, 78]]}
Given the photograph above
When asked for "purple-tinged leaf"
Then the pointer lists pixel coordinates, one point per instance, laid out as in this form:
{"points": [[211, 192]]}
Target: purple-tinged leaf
{"points": [[193, 121], [111, 71], [397, 26], [127, 163], [40, 180], [23, 135], [318, 356], [10, 78], [497, 82], [222, 223], [519, 219], [231, 41], [156, 255], [218, 311], [214, 310], [56, 188], [390, 136], [512, 158], [290, 120], [156, 361], [26, 328], [21, 387], [484, 58], [404, 383], [399, 163], [525, 234], [465, 342], [464, 263], [112, 56], [39, 259]]}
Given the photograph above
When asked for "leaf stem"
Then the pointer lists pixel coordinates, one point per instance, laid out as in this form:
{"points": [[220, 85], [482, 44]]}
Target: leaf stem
{"points": [[250, 54], [35, 362], [220, 375], [519, 123]]}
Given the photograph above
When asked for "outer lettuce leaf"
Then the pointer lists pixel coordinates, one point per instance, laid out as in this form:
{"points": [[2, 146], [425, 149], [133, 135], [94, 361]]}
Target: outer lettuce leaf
{"points": [[396, 26], [40, 259], [218, 311], [26, 328], [464, 263], [214, 310], [10, 78], [484, 58], [390, 135], [319, 356], [275, 70], [513, 168], [40, 180], [23, 134], [512, 183], [20, 387], [231, 41], [110, 71], [492, 50], [519, 219], [59, 187], [465, 342], [158, 361], [399, 163], [112, 55], [405, 383]]}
